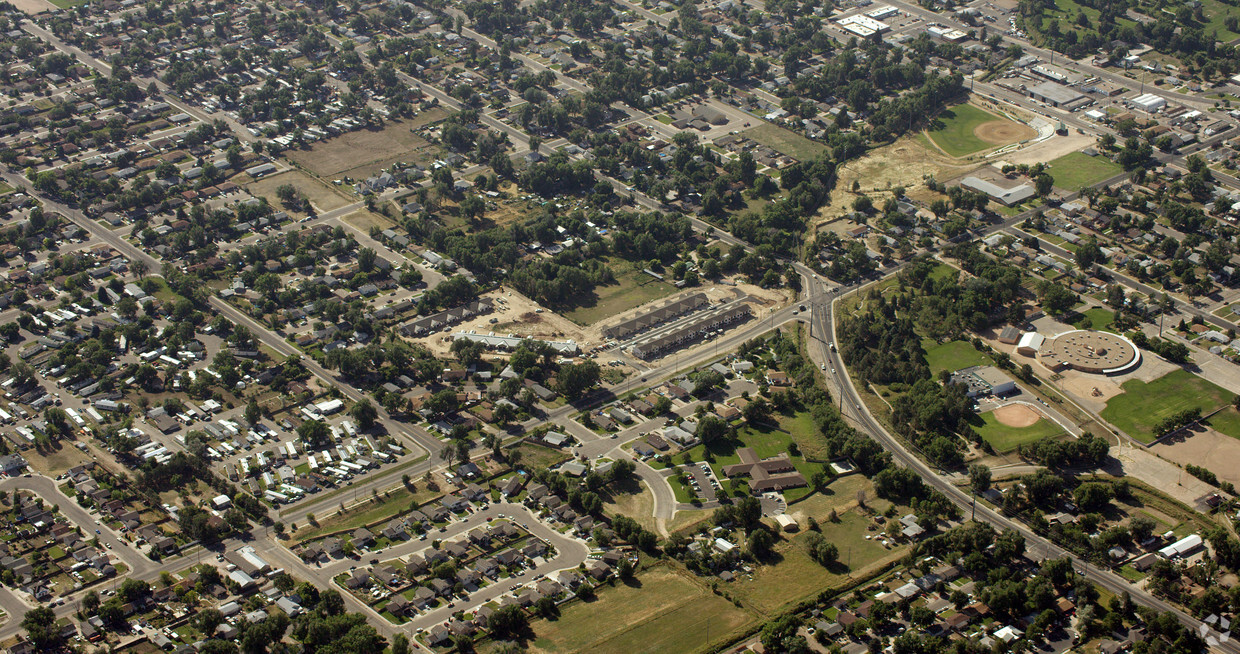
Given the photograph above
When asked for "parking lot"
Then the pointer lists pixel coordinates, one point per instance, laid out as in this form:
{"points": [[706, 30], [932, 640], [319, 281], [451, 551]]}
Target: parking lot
{"points": [[702, 481]]}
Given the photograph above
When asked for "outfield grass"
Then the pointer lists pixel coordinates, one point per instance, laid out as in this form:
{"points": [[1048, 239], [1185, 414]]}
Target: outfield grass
{"points": [[632, 289], [1076, 170], [952, 355], [1005, 439], [662, 611], [956, 136], [796, 576], [787, 142], [1141, 406]]}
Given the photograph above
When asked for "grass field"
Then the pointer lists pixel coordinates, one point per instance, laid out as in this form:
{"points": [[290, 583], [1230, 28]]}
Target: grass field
{"points": [[321, 197], [789, 143], [1141, 406], [662, 611], [632, 499], [1075, 171], [956, 134], [1216, 14], [1099, 318], [364, 220], [796, 576], [1005, 439], [537, 456], [1227, 422], [395, 502], [361, 153], [632, 289], [952, 355]]}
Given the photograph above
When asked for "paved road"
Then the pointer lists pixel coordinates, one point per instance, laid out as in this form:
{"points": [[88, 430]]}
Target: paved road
{"points": [[856, 411]]}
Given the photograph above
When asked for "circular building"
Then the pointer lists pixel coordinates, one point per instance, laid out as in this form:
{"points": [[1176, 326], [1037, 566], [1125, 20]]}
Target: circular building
{"points": [[1100, 353]]}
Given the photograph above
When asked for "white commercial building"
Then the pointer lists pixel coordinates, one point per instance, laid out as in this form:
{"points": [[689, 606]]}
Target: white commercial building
{"points": [[1185, 545], [1149, 102], [862, 25]]}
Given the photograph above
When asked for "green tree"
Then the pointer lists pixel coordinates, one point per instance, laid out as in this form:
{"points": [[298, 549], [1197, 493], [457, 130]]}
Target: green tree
{"points": [[40, 626], [365, 414]]}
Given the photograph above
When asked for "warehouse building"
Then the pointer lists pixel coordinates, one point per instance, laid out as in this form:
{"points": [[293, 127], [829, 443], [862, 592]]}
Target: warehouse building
{"points": [[1056, 95], [1005, 196]]}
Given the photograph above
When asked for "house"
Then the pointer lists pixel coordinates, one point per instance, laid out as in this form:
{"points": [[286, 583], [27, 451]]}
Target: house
{"points": [[363, 538], [398, 605]]}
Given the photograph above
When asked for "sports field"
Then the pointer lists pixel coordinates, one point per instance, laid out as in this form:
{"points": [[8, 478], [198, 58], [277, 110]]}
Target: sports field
{"points": [[1006, 437], [965, 129], [662, 611], [1075, 171], [1141, 406]]}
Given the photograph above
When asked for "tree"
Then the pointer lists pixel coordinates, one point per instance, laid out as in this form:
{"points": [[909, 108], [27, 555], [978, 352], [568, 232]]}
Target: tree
{"points": [[314, 433], [507, 621], [979, 477], [366, 259], [365, 414], [400, 644], [472, 206], [139, 268], [40, 626], [574, 379], [1043, 184], [253, 412], [712, 428], [760, 543]]}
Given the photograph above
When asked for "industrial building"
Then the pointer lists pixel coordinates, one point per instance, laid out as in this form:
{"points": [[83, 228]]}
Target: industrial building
{"points": [[862, 25], [984, 380], [1055, 94], [1005, 196], [1149, 102], [691, 330], [656, 316]]}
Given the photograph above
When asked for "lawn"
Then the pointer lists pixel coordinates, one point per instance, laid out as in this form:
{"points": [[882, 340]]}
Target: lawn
{"points": [[632, 289], [952, 355], [954, 131], [661, 611], [787, 142], [1227, 422], [1076, 170], [1005, 439], [1141, 406], [1216, 13], [396, 502], [537, 456], [766, 442], [1095, 318], [796, 576]]}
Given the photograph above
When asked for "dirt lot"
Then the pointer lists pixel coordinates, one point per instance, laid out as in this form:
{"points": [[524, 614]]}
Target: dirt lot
{"points": [[1201, 446], [33, 6], [1016, 415], [516, 314], [362, 153], [322, 199], [1050, 149], [1146, 465], [907, 163]]}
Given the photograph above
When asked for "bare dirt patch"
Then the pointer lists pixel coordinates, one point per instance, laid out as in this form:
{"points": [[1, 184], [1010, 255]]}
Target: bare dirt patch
{"points": [[514, 314], [1002, 132], [1202, 446], [1017, 415], [33, 7], [1094, 389], [1048, 150]]}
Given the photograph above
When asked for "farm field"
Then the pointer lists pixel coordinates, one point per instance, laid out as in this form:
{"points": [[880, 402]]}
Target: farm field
{"points": [[660, 611], [1077, 170], [1142, 405], [964, 129]]}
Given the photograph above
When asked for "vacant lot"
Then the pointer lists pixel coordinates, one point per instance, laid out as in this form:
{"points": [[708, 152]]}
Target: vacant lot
{"points": [[952, 355], [321, 197], [361, 153], [1005, 438], [965, 129], [1075, 171], [787, 142], [662, 611], [633, 288], [364, 220], [631, 499], [1141, 406], [387, 505], [796, 576]]}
